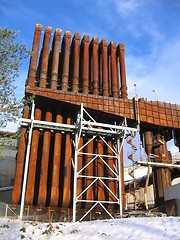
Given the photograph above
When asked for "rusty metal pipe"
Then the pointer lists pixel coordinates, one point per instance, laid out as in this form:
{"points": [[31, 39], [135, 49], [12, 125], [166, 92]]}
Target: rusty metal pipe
{"points": [[45, 56], [100, 70], [76, 59], [67, 191], [161, 176], [56, 164], [115, 91], [34, 56], [148, 141], [66, 57], [89, 171], [109, 75], [85, 64], [100, 171], [55, 61], [122, 179], [121, 51], [80, 165], [33, 160], [104, 47], [16, 194], [45, 161], [95, 67], [110, 174]]}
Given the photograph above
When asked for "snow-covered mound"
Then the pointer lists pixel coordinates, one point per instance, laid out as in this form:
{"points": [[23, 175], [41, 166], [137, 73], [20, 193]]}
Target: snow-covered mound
{"points": [[129, 228]]}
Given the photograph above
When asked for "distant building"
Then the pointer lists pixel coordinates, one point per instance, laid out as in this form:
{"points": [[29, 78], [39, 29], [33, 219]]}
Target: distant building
{"points": [[176, 158], [7, 164], [135, 178]]}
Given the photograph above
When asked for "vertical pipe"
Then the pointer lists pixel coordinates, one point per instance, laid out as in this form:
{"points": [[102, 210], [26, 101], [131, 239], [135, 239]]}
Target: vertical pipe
{"points": [[109, 73], [20, 161], [45, 57], [118, 73], [100, 70], [76, 59], [89, 171], [121, 51], [161, 176], [80, 165], [67, 169], [75, 176], [122, 177], [157, 181], [113, 69], [100, 171], [148, 141], [66, 57], [85, 64], [33, 160], [45, 160], [34, 57], [55, 61], [104, 46], [56, 164], [110, 174], [165, 158], [95, 44]]}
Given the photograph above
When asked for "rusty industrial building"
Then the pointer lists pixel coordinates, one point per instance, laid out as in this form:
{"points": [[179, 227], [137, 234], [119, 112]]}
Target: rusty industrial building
{"points": [[67, 74]]}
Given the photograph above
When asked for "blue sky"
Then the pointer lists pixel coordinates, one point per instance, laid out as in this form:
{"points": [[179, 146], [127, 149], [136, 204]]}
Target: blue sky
{"points": [[150, 30]]}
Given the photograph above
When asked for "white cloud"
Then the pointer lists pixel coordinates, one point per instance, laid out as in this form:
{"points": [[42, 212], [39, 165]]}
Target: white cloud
{"points": [[158, 70], [127, 8]]}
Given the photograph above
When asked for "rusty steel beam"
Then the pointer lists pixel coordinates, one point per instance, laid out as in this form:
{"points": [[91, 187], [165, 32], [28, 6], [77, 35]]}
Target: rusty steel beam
{"points": [[33, 159], [16, 194], [45, 56], [55, 188], [55, 60], [66, 57], [34, 56], [150, 112], [45, 160], [75, 62]]}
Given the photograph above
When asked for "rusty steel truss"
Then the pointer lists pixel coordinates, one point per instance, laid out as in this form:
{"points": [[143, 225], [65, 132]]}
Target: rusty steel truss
{"points": [[86, 125]]}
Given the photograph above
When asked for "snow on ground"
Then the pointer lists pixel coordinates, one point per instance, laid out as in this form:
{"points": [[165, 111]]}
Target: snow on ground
{"points": [[127, 228]]}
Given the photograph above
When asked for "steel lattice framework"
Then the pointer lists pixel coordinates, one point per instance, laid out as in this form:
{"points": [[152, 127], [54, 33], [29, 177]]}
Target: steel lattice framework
{"points": [[86, 125]]}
